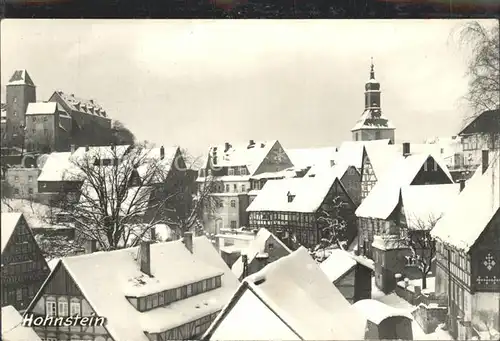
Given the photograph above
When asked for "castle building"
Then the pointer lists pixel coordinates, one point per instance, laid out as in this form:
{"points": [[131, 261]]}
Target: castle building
{"points": [[373, 125]]}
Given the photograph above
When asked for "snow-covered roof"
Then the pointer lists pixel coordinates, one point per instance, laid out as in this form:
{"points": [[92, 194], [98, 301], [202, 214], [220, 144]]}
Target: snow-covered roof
{"points": [[12, 326], [384, 196], [337, 264], [256, 246], [59, 167], [376, 312], [153, 165], [86, 106], [9, 223], [286, 173], [296, 290], [44, 108], [373, 119], [423, 205], [37, 215], [172, 266], [337, 171], [101, 152], [309, 192], [309, 157], [20, 77], [474, 208], [53, 262], [351, 152]]}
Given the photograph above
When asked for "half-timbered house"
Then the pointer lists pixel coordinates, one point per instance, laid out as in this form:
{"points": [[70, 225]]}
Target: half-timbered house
{"points": [[292, 209], [162, 291], [23, 266], [468, 255], [349, 176], [290, 299]]}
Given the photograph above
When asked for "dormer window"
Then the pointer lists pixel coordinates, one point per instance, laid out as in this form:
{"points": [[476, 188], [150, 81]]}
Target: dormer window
{"points": [[230, 171]]}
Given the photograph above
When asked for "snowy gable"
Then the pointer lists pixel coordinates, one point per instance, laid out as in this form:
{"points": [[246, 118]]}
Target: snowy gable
{"points": [[172, 265], [425, 204], [60, 167], [293, 195], [9, 222], [298, 291], [255, 247], [12, 328], [337, 264], [384, 196], [469, 211]]}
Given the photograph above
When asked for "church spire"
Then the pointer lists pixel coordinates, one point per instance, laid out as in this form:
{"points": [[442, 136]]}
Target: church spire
{"points": [[372, 72]]}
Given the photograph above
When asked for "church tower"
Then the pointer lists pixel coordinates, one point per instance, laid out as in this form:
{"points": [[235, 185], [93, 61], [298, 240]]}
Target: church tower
{"points": [[20, 91], [372, 125]]}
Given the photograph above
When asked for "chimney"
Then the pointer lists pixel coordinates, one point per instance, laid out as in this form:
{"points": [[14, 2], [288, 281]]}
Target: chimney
{"points": [[406, 149], [91, 101], [145, 252], [244, 260], [87, 148], [251, 144], [72, 148], [485, 161], [90, 246], [152, 233], [162, 153], [226, 146], [188, 241], [462, 184]]}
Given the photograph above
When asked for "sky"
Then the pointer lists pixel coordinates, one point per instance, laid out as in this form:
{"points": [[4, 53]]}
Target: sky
{"points": [[196, 83]]}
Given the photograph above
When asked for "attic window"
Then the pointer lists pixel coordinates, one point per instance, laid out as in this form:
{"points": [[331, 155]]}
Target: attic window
{"points": [[270, 246]]}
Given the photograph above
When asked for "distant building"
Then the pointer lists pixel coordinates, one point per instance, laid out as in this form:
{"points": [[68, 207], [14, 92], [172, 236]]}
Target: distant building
{"points": [[291, 209], [23, 183], [351, 274], [231, 243], [24, 268], [351, 152], [236, 170], [482, 133], [468, 255], [12, 326], [162, 291], [264, 249], [290, 299], [373, 125]]}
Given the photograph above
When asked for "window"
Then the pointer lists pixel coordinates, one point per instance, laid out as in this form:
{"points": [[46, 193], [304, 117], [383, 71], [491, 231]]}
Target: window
{"points": [[16, 190], [75, 307], [233, 203], [30, 190], [46, 132], [16, 178], [230, 171], [142, 304], [227, 188], [30, 178], [217, 282], [233, 224], [189, 290], [15, 99], [19, 294], [45, 118], [243, 188], [155, 300], [50, 307], [15, 113], [149, 302], [243, 171], [209, 172], [62, 306]]}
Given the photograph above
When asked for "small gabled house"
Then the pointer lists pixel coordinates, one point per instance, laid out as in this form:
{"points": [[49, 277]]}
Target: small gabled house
{"points": [[264, 249], [163, 291], [12, 326], [468, 255], [292, 209], [24, 268], [351, 274], [290, 299]]}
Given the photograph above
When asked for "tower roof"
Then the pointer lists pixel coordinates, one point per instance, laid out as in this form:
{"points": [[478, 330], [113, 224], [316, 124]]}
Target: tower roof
{"points": [[372, 84], [373, 119], [21, 77]]}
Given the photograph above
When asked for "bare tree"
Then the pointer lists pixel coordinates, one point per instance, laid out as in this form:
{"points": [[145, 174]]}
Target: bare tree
{"points": [[334, 228], [6, 193], [121, 134], [416, 235], [483, 67]]}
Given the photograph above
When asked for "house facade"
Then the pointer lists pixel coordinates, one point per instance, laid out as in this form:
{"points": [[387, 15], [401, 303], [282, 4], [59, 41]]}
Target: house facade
{"points": [[23, 182], [468, 260], [294, 209], [24, 268], [134, 297]]}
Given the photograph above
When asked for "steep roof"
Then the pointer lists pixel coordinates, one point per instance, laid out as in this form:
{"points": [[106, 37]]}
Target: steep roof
{"points": [[337, 171], [255, 247], [337, 264], [486, 122], [86, 106], [309, 192], [351, 152], [425, 204], [59, 167], [373, 119], [312, 157], [468, 212], [152, 158], [172, 266], [296, 290], [12, 328], [20, 77], [384, 196], [9, 223]]}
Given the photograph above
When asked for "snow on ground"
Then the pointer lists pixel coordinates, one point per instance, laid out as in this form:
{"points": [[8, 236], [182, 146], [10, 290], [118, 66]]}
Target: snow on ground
{"points": [[418, 282], [395, 301]]}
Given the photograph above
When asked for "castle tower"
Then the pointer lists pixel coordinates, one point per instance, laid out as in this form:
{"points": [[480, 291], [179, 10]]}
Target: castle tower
{"points": [[372, 125], [20, 91]]}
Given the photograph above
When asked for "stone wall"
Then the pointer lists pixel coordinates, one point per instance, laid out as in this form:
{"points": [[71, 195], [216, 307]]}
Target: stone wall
{"points": [[430, 316]]}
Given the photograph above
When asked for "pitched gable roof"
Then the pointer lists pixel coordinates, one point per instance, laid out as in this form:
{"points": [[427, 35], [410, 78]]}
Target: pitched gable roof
{"points": [[59, 167], [337, 264], [81, 105], [384, 196], [45, 108], [9, 223], [486, 122], [470, 212], [309, 192], [255, 247], [12, 328], [172, 266], [300, 294], [312, 157], [20, 77]]}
